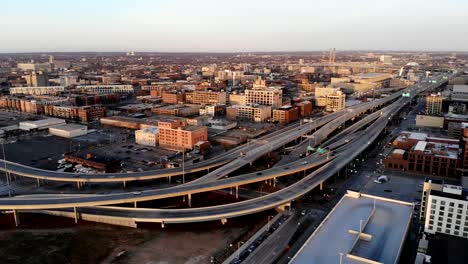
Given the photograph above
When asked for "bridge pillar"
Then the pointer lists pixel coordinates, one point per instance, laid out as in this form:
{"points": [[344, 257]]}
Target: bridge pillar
{"points": [[38, 182], [223, 221], [283, 207], [77, 185], [274, 182], [189, 200], [76, 215], [321, 186], [237, 191], [124, 184], [16, 217], [162, 224], [169, 179], [135, 204]]}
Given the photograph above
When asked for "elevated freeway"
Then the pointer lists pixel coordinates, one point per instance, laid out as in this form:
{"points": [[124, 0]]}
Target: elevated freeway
{"points": [[337, 161]]}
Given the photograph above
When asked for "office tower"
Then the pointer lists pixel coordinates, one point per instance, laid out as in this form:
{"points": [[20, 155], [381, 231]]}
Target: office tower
{"points": [[434, 104]]}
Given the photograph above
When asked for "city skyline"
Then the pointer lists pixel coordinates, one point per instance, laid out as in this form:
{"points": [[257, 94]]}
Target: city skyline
{"points": [[210, 26]]}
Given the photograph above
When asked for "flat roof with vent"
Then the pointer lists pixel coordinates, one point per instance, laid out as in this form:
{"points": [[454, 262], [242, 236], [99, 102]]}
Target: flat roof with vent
{"points": [[361, 229]]}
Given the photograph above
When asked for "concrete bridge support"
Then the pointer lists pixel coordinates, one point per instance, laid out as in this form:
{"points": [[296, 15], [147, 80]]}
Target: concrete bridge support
{"points": [[321, 186], [237, 191], [189, 200], [76, 215], [16, 217]]}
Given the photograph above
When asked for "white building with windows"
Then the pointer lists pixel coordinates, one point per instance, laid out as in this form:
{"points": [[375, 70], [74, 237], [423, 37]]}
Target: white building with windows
{"points": [[103, 89], [446, 211], [147, 136]]}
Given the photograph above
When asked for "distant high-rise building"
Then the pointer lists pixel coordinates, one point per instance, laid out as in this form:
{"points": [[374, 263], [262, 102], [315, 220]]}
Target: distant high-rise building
{"points": [[387, 59], [434, 104], [332, 56], [36, 79]]}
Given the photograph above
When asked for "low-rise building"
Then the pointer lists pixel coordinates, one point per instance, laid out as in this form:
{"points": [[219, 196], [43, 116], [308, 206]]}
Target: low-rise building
{"points": [[106, 89], [207, 97], [285, 114], [173, 97], [335, 101], [305, 108], [429, 121], [148, 136], [68, 130], [177, 136], [417, 152], [213, 110], [38, 90], [41, 124], [256, 113]]}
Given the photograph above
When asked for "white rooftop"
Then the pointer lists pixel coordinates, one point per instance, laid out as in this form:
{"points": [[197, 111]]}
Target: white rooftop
{"points": [[388, 225], [420, 146], [399, 151], [460, 88]]}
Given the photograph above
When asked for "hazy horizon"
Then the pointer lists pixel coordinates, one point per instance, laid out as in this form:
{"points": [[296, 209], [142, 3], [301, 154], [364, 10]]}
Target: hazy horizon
{"points": [[210, 26]]}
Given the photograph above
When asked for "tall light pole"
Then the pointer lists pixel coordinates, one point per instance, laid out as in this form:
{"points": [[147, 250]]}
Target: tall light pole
{"points": [[183, 165]]}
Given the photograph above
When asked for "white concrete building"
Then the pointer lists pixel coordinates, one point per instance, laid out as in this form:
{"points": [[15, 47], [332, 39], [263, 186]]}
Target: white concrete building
{"points": [[335, 101], [68, 130], [147, 136], [446, 209], [117, 88], [41, 124], [39, 90]]}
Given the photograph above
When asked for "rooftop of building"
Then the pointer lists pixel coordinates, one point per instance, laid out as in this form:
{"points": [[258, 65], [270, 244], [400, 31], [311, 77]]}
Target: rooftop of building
{"points": [[437, 149], [70, 127], [452, 192], [370, 75], [387, 224], [150, 129], [460, 88]]}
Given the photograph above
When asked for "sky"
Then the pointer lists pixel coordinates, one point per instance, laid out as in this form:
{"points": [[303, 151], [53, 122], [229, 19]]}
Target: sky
{"points": [[232, 26]]}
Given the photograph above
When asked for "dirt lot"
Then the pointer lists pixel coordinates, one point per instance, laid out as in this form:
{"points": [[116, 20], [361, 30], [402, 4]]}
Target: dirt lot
{"points": [[48, 239]]}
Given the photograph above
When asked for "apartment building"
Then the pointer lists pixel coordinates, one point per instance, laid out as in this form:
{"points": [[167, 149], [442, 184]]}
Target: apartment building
{"points": [[207, 97], [256, 113], [335, 101], [176, 135], [321, 94], [446, 210], [264, 96]]}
